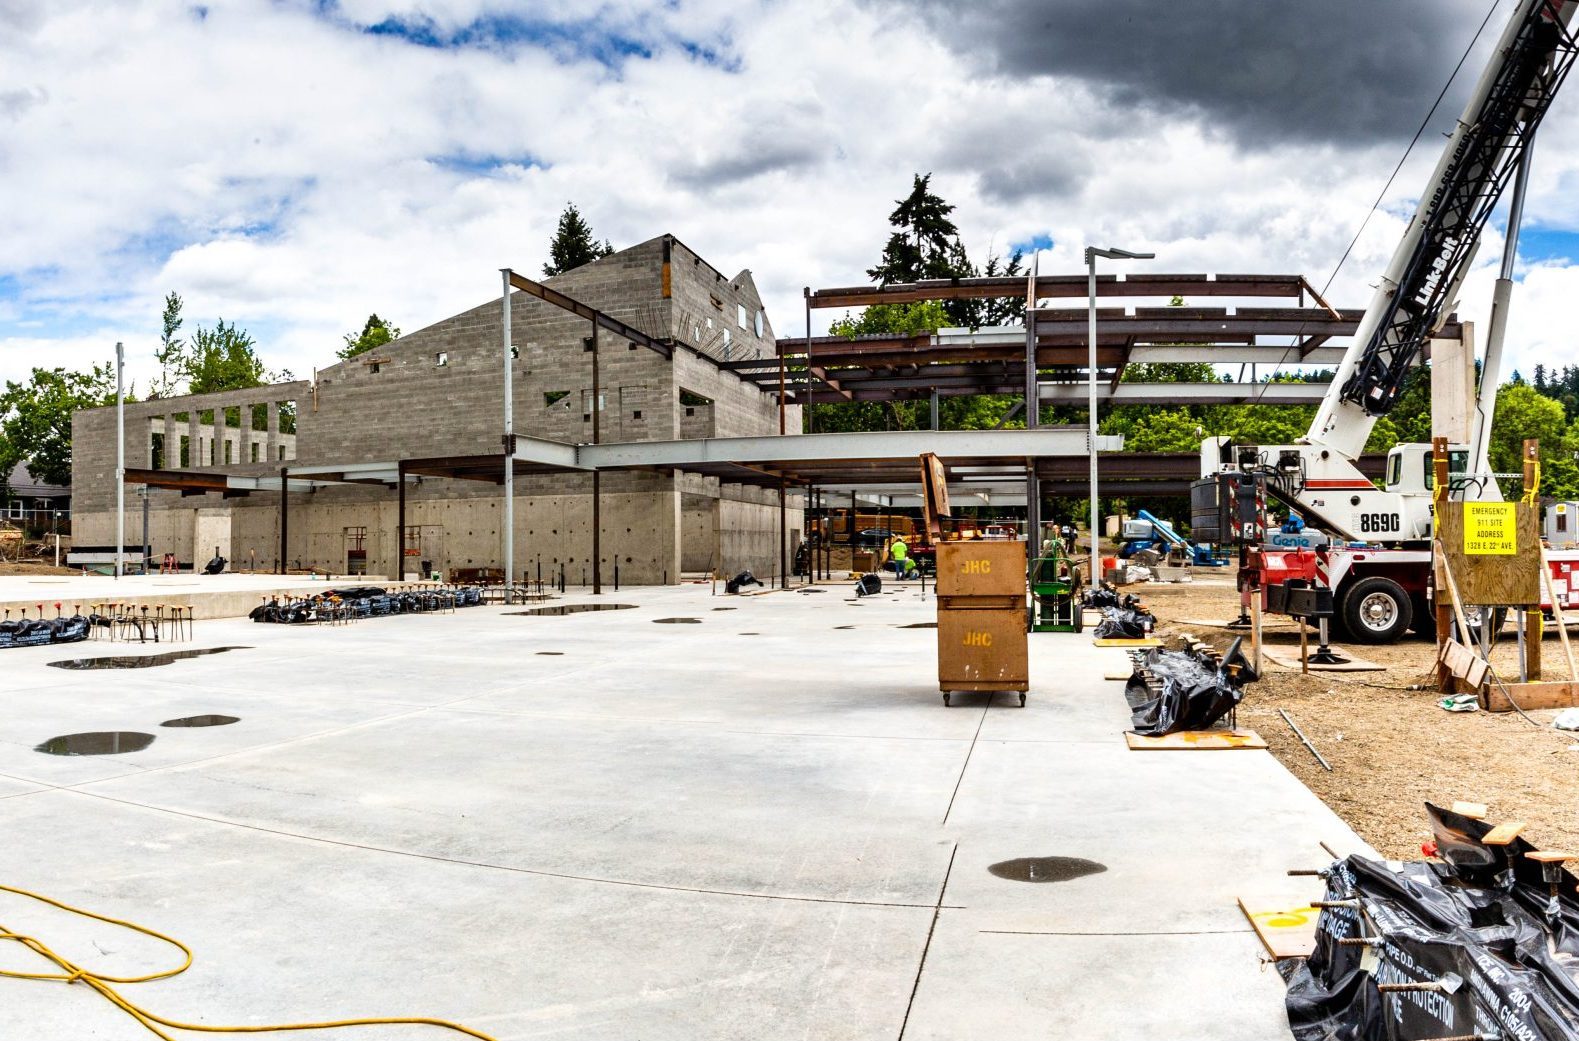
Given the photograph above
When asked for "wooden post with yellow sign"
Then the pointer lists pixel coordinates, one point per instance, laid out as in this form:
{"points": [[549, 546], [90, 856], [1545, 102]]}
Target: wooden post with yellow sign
{"points": [[1489, 556]]}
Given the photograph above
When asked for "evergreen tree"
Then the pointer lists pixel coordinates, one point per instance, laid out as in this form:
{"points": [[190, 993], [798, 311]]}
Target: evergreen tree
{"points": [[926, 244], [171, 353], [573, 244], [223, 358], [375, 333]]}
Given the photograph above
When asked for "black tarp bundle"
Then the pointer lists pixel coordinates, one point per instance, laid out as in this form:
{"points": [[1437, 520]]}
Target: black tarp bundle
{"points": [[35, 632], [741, 581], [1105, 596], [1196, 691], [1124, 623], [1482, 927], [364, 602]]}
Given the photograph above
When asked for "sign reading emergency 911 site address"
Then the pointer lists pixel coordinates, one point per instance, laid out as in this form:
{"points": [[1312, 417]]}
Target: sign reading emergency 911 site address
{"points": [[1490, 529]]}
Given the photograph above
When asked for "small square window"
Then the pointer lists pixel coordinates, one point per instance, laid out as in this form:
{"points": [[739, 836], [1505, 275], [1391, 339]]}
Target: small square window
{"points": [[515, 352], [636, 414], [740, 315], [441, 359], [373, 367]]}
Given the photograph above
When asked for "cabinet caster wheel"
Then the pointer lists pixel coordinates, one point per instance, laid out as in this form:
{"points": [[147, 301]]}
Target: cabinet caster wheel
{"points": [[945, 699], [1022, 699]]}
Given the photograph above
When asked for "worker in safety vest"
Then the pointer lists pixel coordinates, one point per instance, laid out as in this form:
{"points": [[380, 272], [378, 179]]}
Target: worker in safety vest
{"points": [[899, 557]]}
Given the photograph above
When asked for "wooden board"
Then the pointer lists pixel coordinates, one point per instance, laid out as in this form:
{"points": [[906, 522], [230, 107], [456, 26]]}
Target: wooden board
{"points": [[1285, 932], [1503, 833], [1291, 661], [1118, 675], [1150, 641], [1464, 663], [1551, 856], [1196, 741], [1531, 696], [1493, 578], [1477, 810]]}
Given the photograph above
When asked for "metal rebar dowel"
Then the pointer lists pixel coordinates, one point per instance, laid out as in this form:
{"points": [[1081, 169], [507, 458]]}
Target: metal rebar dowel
{"points": [[1351, 903], [1395, 988], [1361, 941], [1303, 739]]}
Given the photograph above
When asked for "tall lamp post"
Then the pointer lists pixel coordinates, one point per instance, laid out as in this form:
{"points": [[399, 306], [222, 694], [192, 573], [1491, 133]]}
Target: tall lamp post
{"points": [[1092, 252]]}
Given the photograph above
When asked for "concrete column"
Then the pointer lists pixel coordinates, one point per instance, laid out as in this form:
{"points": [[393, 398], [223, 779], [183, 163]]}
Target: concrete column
{"points": [[194, 457], [271, 434], [218, 433], [1453, 387], [172, 444]]}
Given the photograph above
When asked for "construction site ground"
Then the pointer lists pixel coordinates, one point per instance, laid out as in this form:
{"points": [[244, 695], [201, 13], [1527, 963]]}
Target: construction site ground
{"points": [[1392, 749], [761, 822]]}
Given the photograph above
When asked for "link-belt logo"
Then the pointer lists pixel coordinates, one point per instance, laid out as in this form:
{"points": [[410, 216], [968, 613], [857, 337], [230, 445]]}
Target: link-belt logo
{"points": [[1439, 264]]}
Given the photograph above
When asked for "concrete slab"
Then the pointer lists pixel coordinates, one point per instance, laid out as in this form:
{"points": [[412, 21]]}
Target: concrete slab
{"points": [[210, 596], [659, 831]]}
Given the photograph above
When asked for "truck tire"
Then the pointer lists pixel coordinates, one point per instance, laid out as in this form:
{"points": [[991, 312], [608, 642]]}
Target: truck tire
{"points": [[1376, 610], [1473, 616]]}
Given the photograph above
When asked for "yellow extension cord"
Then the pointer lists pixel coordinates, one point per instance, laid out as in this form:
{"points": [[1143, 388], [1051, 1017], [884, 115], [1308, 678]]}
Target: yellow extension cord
{"points": [[73, 973]]}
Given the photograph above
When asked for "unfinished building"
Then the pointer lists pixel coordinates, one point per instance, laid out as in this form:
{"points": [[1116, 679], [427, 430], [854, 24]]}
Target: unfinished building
{"points": [[438, 392]]}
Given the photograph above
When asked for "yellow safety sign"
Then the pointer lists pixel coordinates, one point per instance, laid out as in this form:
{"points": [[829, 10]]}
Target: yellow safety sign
{"points": [[1490, 529]]}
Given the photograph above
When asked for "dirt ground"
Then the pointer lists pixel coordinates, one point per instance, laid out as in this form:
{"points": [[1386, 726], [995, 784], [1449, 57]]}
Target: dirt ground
{"points": [[1392, 748], [8, 567]]}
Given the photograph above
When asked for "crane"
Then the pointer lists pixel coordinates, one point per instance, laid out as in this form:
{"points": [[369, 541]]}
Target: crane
{"points": [[1378, 597]]}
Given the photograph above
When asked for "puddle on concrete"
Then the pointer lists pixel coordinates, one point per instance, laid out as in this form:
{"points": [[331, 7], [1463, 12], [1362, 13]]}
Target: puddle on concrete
{"points": [[1046, 869], [551, 654], [726, 608], [750, 634], [574, 609], [201, 721], [109, 742], [844, 627], [139, 661], [920, 625], [677, 621], [811, 590]]}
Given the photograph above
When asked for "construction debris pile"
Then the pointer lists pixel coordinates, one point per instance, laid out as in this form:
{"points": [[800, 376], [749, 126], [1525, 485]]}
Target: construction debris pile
{"points": [[1173, 691], [34, 632], [345, 605], [1481, 943], [1124, 617]]}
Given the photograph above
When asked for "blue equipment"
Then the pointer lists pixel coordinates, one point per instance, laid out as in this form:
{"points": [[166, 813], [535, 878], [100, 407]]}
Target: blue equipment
{"points": [[1163, 537]]}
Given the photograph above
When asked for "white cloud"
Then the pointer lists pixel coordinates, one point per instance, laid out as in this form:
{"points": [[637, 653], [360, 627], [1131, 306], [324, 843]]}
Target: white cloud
{"points": [[287, 172]]}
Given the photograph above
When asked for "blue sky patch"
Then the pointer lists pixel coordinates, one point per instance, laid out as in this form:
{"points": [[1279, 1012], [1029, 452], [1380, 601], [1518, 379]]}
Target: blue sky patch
{"points": [[1033, 244], [1537, 244], [483, 165]]}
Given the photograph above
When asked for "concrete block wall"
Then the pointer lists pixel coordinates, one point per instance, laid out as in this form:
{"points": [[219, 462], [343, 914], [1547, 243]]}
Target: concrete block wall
{"points": [[436, 392]]}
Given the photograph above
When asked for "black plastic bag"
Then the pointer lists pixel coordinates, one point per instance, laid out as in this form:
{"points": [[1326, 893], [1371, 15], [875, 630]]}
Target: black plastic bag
{"points": [[741, 581], [1124, 623], [1481, 929], [869, 585], [1196, 693]]}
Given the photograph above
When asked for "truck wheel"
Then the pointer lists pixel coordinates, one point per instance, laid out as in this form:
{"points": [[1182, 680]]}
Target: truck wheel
{"points": [[1376, 610], [1473, 613]]}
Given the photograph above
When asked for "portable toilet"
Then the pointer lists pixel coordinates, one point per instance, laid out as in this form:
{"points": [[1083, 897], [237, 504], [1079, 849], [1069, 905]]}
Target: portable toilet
{"points": [[1562, 525]]}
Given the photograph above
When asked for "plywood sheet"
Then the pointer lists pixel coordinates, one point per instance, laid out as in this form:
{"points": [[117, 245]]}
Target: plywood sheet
{"points": [[1150, 641], [1491, 574], [1503, 833], [1196, 741], [1285, 932]]}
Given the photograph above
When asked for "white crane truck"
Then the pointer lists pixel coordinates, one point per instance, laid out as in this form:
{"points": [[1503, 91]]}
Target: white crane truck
{"points": [[1378, 562]]}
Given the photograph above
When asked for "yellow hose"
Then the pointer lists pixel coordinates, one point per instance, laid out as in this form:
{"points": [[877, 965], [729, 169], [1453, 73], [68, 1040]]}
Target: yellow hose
{"points": [[73, 973]]}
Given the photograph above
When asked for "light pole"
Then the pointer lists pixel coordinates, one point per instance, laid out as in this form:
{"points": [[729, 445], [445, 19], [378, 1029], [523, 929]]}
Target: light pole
{"points": [[1092, 252], [120, 460]]}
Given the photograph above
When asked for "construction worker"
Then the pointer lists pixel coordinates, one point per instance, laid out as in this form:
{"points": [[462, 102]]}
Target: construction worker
{"points": [[899, 557]]}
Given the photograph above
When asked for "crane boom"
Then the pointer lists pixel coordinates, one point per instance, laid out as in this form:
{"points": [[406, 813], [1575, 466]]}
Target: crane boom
{"points": [[1422, 280]]}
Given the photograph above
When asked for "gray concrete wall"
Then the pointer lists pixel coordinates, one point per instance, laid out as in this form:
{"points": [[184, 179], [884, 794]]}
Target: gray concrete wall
{"points": [[436, 392]]}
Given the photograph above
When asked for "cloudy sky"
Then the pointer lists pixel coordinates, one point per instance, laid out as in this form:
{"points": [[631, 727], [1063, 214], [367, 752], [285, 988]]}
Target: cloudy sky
{"points": [[292, 165]]}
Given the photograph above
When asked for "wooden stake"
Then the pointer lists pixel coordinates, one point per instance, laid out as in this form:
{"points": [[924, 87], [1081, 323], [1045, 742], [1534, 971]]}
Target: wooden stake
{"points": [[1255, 627], [1557, 616], [1304, 649]]}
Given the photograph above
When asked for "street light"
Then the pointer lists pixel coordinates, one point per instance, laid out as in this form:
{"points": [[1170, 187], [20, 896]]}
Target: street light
{"points": [[1092, 252]]}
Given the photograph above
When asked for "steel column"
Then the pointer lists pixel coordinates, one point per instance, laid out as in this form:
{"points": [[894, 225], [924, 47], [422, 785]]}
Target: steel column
{"points": [[597, 478], [284, 518], [509, 439], [400, 524]]}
